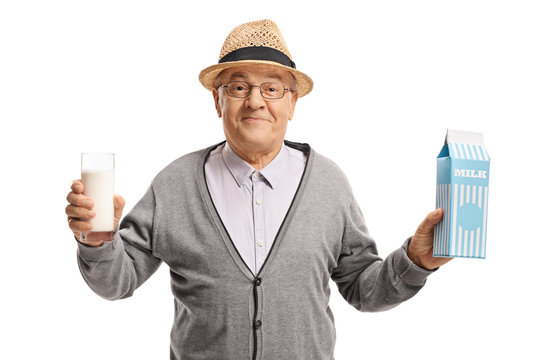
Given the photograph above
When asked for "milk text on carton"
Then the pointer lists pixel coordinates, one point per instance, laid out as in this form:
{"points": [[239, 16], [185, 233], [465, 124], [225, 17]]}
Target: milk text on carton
{"points": [[470, 173]]}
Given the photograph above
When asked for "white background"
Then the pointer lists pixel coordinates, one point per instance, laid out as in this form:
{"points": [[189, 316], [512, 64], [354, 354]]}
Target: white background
{"points": [[390, 78]]}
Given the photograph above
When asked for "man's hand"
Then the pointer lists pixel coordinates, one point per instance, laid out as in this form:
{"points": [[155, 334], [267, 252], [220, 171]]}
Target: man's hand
{"points": [[80, 211], [421, 246]]}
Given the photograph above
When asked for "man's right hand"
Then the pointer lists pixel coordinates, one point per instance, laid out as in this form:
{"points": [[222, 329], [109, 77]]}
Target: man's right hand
{"points": [[80, 211]]}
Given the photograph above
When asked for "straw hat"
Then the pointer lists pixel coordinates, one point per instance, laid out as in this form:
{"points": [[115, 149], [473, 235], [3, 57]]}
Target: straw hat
{"points": [[257, 42]]}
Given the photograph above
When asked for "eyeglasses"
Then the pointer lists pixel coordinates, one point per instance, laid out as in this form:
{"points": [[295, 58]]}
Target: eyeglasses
{"points": [[269, 90]]}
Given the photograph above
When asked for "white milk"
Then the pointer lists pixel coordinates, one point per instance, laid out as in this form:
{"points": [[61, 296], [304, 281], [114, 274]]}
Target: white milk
{"points": [[99, 186]]}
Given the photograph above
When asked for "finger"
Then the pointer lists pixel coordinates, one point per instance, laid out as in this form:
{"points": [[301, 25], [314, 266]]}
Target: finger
{"points": [[79, 226], [79, 212], [119, 204], [77, 186], [80, 200], [432, 219], [436, 216]]}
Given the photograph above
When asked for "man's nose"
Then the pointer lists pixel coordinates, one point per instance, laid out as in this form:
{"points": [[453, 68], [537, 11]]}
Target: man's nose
{"points": [[255, 99]]}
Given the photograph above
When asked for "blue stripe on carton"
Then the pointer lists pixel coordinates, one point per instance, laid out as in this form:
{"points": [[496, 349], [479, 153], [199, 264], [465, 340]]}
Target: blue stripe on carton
{"points": [[462, 192]]}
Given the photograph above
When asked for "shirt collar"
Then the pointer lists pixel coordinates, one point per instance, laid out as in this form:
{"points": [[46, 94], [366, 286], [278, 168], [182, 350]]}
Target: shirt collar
{"points": [[241, 170]]}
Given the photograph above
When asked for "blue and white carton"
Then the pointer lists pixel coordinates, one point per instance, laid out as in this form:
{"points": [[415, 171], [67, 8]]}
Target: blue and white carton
{"points": [[462, 192]]}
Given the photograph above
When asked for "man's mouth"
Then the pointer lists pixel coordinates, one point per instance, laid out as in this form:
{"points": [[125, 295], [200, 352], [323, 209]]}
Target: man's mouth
{"points": [[249, 118]]}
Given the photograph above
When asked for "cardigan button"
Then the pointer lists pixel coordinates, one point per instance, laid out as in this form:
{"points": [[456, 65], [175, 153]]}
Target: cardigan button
{"points": [[258, 324], [258, 281]]}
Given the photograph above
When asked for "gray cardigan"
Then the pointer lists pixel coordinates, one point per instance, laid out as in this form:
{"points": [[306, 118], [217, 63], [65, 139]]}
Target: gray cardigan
{"points": [[219, 303]]}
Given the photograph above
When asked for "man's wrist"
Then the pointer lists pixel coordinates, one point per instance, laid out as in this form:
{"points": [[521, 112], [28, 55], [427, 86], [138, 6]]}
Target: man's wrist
{"points": [[416, 260]]}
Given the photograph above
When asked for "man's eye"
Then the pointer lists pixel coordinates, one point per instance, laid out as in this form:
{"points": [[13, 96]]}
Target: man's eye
{"points": [[271, 89], [239, 88]]}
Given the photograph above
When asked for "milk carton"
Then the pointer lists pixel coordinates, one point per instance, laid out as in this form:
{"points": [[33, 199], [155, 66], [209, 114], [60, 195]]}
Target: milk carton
{"points": [[462, 191]]}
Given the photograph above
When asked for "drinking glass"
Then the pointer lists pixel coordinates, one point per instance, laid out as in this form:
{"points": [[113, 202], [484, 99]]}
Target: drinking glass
{"points": [[97, 175]]}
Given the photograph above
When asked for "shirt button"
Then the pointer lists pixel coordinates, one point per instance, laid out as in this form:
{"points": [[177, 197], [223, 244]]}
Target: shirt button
{"points": [[260, 243], [258, 201], [256, 174], [258, 324], [258, 281]]}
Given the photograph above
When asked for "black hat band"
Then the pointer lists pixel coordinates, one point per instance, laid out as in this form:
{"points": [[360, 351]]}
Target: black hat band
{"points": [[258, 53]]}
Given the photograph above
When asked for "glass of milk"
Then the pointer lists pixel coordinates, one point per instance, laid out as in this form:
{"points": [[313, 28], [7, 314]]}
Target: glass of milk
{"points": [[97, 175]]}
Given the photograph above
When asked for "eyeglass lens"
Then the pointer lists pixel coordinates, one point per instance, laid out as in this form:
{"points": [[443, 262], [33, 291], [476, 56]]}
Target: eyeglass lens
{"points": [[269, 90]]}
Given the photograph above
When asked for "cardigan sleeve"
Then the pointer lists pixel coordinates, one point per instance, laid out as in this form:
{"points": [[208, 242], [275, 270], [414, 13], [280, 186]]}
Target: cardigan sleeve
{"points": [[368, 282], [115, 269]]}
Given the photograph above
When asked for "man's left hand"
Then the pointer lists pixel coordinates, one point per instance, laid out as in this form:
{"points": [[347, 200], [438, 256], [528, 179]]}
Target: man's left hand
{"points": [[421, 246]]}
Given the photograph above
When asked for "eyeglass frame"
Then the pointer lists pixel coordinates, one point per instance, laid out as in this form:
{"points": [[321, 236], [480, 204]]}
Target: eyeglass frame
{"points": [[226, 86]]}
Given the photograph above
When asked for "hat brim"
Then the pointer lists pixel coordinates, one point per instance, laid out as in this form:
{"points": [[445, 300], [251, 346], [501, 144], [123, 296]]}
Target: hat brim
{"points": [[207, 77]]}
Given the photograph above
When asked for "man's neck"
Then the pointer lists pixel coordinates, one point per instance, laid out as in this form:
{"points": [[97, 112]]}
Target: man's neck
{"points": [[257, 159]]}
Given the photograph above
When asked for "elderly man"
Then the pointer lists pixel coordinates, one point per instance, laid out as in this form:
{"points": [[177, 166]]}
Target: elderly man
{"points": [[252, 228]]}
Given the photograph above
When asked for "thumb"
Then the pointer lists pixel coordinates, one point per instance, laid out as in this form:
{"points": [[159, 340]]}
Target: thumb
{"points": [[119, 204], [432, 219]]}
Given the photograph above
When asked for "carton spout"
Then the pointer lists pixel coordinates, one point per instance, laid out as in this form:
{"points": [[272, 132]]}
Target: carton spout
{"points": [[464, 137]]}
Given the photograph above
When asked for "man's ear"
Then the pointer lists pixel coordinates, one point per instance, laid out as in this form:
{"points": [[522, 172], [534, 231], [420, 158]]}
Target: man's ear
{"points": [[215, 94], [294, 99]]}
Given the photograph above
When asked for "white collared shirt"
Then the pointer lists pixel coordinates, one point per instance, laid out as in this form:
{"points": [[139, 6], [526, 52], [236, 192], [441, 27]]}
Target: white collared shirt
{"points": [[252, 204]]}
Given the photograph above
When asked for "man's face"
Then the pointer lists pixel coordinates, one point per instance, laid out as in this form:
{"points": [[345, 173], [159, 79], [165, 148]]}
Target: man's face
{"points": [[254, 123]]}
